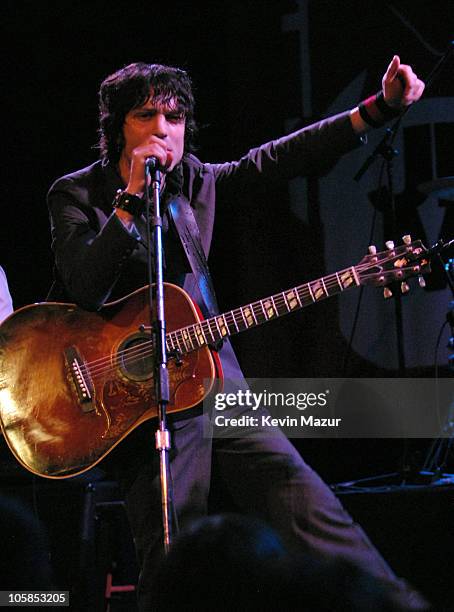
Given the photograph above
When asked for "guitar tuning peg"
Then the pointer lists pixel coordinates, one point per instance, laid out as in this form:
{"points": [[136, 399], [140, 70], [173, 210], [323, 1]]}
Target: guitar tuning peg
{"points": [[387, 293], [404, 287], [372, 250], [421, 281], [406, 239], [389, 244]]}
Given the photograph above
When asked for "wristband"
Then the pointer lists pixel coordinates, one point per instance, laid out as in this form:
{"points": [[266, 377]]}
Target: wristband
{"points": [[387, 111], [129, 202], [375, 111]]}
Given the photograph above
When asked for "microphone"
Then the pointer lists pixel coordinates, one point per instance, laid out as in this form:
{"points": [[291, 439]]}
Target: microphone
{"points": [[153, 168], [152, 163]]}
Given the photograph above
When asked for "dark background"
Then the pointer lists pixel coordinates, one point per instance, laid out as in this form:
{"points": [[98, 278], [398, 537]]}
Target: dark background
{"points": [[247, 82]]}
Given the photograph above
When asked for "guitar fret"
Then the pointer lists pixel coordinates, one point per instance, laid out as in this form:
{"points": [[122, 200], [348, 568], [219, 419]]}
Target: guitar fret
{"points": [[217, 331], [178, 341], [309, 295], [237, 329], [199, 335], [187, 340], [300, 293], [223, 329], [310, 291], [317, 290], [184, 334], [207, 323], [275, 305], [338, 282], [324, 287], [243, 317], [258, 315], [189, 337], [193, 337], [298, 296], [169, 339], [263, 310], [281, 304], [217, 326], [229, 321], [269, 309], [238, 321], [355, 275], [231, 324], [348, 278], [248, 312]]}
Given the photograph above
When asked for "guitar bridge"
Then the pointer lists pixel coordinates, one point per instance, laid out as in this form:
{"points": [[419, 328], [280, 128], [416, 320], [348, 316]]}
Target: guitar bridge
{"points": [[80, 378]]}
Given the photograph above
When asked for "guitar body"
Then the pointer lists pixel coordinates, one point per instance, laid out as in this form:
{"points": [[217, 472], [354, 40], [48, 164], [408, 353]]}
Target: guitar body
{"points": [[51, 354]]}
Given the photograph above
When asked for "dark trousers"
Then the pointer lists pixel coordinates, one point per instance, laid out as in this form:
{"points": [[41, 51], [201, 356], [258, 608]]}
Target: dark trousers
{"points": [[266, 477]]}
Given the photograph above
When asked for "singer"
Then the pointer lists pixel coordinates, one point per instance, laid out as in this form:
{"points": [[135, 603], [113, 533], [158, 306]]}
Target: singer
{"points": [[147, 111]]}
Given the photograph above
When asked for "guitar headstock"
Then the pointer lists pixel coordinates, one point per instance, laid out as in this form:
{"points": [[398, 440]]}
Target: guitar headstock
{"points": [[395, 264]]}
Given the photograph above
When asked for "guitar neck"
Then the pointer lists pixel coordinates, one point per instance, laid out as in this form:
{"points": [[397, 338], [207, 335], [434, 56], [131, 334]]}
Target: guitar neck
{"points": [[211, 331]]}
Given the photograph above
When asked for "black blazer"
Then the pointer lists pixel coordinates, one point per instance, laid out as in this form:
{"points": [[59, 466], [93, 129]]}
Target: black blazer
{"points": [[97, 259]]}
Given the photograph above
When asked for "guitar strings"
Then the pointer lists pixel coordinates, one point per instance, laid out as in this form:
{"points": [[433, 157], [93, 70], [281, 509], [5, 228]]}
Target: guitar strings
{"points": [[139, 352], [103, 365], [145, 349]]}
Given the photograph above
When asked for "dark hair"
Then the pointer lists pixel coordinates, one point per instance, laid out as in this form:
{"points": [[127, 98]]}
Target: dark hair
{"points": [[129, 88]]}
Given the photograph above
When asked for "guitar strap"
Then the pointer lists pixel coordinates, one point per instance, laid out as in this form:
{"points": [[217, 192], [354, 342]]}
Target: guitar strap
{"points": [[183, 217]]}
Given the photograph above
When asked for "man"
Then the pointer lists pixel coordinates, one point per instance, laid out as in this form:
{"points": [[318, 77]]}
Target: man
{"points": [[6, 303], [98, 229]]}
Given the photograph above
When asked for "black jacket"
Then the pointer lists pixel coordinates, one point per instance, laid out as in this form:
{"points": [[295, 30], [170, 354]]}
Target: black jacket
{"points": [[98, 260]]}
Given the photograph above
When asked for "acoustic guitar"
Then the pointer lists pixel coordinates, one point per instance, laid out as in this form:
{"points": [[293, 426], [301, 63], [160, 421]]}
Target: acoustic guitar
{"points": [[74, 384]]}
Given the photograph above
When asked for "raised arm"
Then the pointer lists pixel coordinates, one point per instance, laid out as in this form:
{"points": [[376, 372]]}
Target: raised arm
{"points": [[314, 149]]}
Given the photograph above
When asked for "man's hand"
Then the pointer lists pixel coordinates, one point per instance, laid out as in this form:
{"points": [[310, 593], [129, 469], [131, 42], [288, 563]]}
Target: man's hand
{"points": [[154, 147], [132, 170], [401, 86]]}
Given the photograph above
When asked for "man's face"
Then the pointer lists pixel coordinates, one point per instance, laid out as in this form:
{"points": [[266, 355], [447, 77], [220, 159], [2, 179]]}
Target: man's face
{"points": [[153, 118]]}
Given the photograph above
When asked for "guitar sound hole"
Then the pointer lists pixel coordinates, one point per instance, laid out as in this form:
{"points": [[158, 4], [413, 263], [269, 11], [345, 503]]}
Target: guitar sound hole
{"points": [[136, 357]]}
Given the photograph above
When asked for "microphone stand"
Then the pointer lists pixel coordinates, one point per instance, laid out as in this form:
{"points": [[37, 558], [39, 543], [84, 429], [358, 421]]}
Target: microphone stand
{"points": [[153, 178]]}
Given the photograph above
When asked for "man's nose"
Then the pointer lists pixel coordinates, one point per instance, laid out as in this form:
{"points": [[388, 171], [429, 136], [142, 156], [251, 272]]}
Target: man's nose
{"points": [[160, 126]]}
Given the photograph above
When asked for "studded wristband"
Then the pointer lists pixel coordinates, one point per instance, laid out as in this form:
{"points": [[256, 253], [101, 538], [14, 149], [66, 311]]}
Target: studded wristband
{"points": [[129, 202]]}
